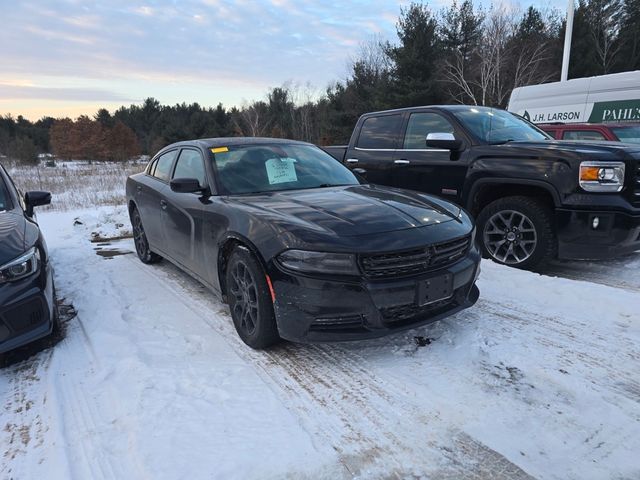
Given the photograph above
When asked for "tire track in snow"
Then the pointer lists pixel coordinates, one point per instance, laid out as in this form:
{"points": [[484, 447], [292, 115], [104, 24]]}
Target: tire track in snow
{"points": [[24, 429], [618, 273], [617, 368], [372, 423]]}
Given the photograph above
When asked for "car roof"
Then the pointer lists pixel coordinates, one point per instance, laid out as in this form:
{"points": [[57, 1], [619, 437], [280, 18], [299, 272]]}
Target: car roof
{"points": [[234, 141]]}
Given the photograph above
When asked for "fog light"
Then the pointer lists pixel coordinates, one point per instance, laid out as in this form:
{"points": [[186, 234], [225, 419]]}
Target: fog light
{"points": [[595, 223]]}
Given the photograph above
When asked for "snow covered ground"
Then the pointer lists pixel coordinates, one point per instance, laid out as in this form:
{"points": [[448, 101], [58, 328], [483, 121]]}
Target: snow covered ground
{"points": [[541, 379]]}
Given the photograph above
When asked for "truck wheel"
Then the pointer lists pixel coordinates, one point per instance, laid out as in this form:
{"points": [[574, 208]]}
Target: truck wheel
{"points": [[517, 231]]}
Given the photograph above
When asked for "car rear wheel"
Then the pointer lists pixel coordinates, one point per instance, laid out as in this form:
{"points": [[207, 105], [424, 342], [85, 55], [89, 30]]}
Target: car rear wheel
{"points": [[517, 231], [140, 239], [250, 301]]}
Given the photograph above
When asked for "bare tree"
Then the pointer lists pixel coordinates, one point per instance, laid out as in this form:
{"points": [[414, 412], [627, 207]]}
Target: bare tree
{"points": [[605, 17], [494, 83], [461, 84], [253, 119]]}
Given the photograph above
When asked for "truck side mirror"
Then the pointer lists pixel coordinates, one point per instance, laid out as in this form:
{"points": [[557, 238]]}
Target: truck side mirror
{"points": [[444, 140]]}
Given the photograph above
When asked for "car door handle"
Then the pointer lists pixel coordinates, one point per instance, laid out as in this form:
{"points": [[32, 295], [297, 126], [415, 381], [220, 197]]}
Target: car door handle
{"points": [[402, 162], [163, 204], [352, 160]]}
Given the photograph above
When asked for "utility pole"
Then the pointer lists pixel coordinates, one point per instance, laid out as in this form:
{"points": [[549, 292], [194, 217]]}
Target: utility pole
{"points": [[567, 42]]}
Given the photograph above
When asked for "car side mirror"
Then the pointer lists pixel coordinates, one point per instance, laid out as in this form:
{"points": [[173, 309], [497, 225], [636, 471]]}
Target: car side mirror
{"points": [[444, 140], [36, 199], [185, 185], [361, 173]]}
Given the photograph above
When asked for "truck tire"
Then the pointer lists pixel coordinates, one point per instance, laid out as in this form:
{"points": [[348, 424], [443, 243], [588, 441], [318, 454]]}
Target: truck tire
{"points": [[517, 231]]}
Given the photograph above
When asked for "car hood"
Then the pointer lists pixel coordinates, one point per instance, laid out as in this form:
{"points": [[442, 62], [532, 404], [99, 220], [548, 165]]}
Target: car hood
{"points": [[349, 211], [595, 148], [12, 236]]}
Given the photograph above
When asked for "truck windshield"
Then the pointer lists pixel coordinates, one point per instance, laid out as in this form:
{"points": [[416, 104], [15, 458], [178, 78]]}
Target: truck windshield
{"points": [[277, 167], [496, 126], [627, 134]]}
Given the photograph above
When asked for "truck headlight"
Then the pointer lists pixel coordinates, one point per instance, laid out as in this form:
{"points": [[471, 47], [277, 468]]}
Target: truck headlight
{"points": [[602, 176], [319, 262], [21, 267]]}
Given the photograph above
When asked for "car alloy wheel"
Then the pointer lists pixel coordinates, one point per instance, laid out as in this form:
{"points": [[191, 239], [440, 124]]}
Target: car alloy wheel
{"points": [[249, 299], [510, 237], [245, 297], [140, 240]]}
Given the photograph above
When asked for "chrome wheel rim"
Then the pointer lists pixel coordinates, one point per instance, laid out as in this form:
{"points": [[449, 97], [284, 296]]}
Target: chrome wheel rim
{"points": [[139, 237], [510, 237], [244, 290]]}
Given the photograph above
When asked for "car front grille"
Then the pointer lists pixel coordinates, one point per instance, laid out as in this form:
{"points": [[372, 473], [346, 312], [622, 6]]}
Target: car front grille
{"points": [[416, 261], [25, 316], [349, 323], [400, 315]]}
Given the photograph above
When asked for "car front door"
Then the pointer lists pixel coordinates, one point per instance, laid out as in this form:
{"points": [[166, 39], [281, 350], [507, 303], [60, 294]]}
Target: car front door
{"points": [[430, 170], [150, 197], [183, 214], [375, 147]]}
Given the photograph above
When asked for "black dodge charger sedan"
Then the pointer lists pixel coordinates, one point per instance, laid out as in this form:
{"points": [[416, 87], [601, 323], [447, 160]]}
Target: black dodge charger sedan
{"points": [[298, 246], [27, 310]]}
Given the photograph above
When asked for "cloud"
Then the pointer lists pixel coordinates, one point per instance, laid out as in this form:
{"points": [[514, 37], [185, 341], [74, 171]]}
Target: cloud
{"points": [[13, 92], [85, 48]]}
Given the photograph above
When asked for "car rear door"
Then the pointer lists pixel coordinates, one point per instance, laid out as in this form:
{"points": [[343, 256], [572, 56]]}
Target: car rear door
{"points": [[183, 214], [151, 200], [375, 147], [430, 170]]}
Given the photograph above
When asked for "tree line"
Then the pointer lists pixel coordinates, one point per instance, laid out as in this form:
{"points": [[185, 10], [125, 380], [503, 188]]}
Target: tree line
{"points": [[460, 54]]}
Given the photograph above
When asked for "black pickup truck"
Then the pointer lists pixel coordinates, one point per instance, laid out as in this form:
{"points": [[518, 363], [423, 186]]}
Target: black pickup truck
{"points": [[534, 198]]}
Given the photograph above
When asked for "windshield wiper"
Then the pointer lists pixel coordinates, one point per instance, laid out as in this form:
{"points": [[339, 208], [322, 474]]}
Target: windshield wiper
{"points": [[502, 142]]}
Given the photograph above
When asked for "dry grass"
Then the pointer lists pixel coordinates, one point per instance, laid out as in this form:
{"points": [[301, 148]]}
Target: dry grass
{"points": [[77, 184]]}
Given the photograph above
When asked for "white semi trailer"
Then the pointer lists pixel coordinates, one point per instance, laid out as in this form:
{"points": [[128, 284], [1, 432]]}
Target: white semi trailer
{"points": [[602, 99]]}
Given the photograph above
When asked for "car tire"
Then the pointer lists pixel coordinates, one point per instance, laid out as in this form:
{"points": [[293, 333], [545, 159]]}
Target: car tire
{"points": [[517, 231], [140, 239], [250, 300]]}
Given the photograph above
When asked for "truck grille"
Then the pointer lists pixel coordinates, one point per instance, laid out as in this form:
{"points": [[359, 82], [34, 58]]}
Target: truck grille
{"points": [[412, 262]]}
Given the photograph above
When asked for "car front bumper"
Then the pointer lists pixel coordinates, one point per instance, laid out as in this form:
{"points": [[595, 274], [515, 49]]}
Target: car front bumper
{"points": [[617, 234], [312, 309], [26, 310]]}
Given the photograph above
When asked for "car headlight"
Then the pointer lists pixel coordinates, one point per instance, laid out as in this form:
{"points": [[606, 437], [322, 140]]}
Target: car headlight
{"points": [[21, 267], [319, 262], [602, 176]]}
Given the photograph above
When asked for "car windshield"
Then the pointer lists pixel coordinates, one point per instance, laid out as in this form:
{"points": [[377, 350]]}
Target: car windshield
{"points": [[628, 134], [277, 167], [496, 126]]}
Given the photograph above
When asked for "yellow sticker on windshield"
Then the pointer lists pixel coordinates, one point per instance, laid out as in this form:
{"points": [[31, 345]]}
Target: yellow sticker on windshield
{"points": [[219, 150]]}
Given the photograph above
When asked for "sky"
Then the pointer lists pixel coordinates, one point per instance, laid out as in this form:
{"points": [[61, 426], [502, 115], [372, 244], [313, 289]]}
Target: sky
{"points": [[71, 57]]}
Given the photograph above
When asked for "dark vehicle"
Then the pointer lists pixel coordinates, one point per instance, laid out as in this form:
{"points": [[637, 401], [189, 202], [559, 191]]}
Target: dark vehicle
{"points": [[620, 132], [296, 245], [27, 306], [534, 198]]}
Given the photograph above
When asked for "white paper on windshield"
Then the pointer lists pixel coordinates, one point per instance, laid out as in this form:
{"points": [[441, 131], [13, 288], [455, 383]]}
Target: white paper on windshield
{"points": [[281, 170]]}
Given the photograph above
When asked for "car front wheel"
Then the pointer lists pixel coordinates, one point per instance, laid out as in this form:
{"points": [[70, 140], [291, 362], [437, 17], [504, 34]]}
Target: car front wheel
{"points": [[140, 239], [250, 301], [517, 231]]}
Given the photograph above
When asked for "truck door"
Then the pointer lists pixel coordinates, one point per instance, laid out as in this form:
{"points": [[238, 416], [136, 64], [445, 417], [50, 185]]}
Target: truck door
{"points": [[375, 147], [429, 170]]}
